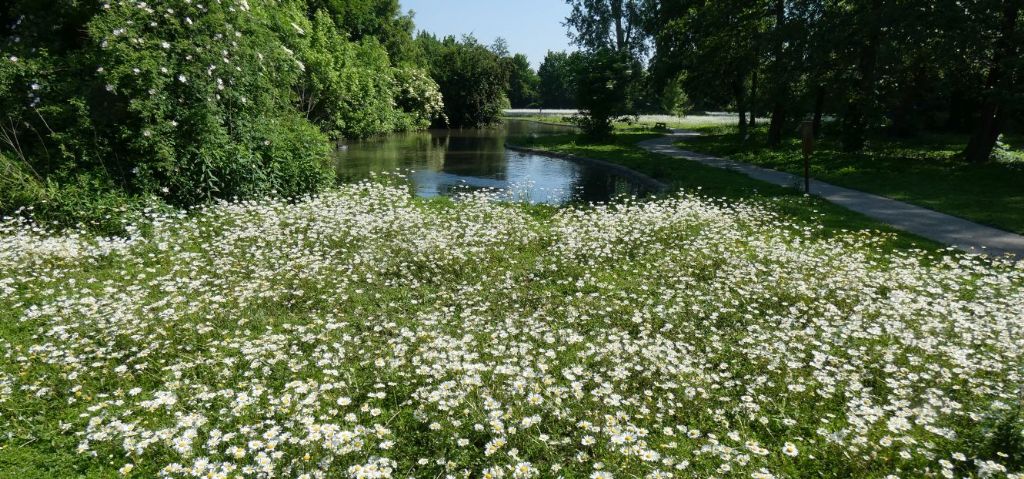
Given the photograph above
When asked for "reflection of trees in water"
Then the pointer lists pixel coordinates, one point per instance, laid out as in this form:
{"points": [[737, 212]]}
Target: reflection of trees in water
{"points": [[476, 153], [403, 151], [597, 185], [451, 161]]}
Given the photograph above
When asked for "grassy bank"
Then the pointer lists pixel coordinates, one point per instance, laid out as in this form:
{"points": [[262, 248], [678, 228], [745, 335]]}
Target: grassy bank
{"points": [[926, 171], [368, 334], [684, 175]]}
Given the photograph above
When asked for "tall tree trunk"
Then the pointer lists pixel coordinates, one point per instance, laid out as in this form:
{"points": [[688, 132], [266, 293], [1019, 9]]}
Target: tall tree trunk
{"points": [[855, 121], [779, 92], [778, 123], [819, 110], [739, 91], [991, 114], [620, 31], [959, 111], [903, 117], [753, 99]]}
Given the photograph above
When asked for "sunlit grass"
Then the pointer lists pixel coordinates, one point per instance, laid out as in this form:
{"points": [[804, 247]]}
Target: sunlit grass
{"points": [[927, 171], [693, 177], [367, 333]]}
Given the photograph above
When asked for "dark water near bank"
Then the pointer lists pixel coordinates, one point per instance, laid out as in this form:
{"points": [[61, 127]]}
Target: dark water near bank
{"points": [[446, 162]]}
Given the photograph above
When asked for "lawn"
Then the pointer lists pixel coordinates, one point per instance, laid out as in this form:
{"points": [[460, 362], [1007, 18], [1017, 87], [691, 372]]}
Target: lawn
{"points": [[693, 177], [926, 171]]}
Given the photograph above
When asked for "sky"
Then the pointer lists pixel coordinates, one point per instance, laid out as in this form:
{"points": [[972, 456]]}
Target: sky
{"points": [[530, 26]]}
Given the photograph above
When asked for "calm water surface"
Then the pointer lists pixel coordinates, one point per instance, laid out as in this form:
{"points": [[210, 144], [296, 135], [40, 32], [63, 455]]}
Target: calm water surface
{"points": [[447, 162]]}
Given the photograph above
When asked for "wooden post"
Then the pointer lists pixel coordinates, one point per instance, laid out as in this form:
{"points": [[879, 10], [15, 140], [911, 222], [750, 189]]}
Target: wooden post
{"points": [[807, 131]]}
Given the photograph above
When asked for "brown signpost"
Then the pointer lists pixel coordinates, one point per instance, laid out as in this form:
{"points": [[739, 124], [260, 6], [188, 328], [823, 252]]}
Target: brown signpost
{"points": [[807, 130]]}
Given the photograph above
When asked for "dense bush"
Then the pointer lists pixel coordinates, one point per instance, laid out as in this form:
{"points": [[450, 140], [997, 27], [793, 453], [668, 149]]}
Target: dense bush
{"points": [[472, 79], [351, 90], [188, 101], [162, 101]]}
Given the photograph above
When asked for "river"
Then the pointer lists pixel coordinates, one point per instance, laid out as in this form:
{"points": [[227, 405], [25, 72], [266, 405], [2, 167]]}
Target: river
{"points": [[447, 162]]}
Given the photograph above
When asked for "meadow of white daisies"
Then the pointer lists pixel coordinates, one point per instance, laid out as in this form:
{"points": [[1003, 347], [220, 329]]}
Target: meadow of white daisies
{"points": [[364, 333]]}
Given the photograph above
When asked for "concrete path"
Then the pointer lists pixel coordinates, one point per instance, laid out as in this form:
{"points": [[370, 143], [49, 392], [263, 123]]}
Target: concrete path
{"points": [[943, 228]]}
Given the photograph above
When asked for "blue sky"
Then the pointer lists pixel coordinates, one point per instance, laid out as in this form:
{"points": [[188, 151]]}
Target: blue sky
{"points": [[530, 26]]}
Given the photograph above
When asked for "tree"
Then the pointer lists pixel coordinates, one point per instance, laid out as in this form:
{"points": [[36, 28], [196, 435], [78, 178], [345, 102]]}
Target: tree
{"points": [[598, 25], [350, 90], [500, 47], [557, 76], [604, 78], [382, 20], [716, 44], [610, 33], [1001, 85], [187, 108], [119, 101], [523, 82], [471, 77]]}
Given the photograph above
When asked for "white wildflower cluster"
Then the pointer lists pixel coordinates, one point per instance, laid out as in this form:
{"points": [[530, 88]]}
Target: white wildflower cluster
{"points": [[5, 386], [366, 334]]}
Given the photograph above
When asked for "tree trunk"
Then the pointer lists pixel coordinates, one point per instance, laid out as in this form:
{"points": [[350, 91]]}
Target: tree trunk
{"points": [[780, 80], [739, 91], [855, 122], [991, 114], [778, 122], [959, 111], [620, 32], [819, 110], [753, 100]]}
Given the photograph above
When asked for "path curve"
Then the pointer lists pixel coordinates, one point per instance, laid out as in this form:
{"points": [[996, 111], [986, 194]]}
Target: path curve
{"points": [[965, 235]]}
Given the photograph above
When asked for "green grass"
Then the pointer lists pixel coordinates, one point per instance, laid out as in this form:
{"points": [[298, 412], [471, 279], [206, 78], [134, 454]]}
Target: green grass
{"points": [[925, 171], [694, 177], [637, 335]]}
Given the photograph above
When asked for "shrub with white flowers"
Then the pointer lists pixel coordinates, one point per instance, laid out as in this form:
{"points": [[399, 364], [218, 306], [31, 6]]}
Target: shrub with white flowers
{"points": [[187, 101]]}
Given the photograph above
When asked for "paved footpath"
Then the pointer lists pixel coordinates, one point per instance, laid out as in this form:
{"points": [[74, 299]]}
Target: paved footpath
{"points": [[943, 228]]}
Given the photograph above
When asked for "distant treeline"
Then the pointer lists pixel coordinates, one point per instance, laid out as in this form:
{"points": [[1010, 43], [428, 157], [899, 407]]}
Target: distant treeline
{"points": [[878, 66]]}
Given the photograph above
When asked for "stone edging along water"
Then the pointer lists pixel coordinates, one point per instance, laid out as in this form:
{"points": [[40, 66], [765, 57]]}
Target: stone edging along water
{"points": [[632, 175]]}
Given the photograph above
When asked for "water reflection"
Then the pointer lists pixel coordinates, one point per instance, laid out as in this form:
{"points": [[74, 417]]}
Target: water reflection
{"points": [[446, 162]]}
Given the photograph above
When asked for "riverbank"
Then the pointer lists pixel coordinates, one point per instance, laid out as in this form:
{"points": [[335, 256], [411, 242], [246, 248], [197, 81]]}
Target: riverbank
{"points": [[685, 175]]}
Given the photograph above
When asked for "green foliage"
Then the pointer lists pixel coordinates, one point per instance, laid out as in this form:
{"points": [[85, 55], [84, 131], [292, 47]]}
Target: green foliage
{"points": [[523, 82], [902, 68], [419, 97], [557, 76], [381, 20], [85, 200], [673, 98], [609, 25], [605, 78], [471, 77], [190, 102], [351, 90]]}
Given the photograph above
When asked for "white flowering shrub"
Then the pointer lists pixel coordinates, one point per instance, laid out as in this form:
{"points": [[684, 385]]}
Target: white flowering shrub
{"points": [[364, 333], [182, 99], [186, 101]]}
